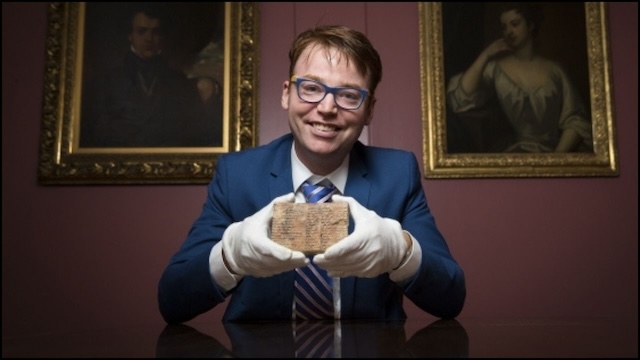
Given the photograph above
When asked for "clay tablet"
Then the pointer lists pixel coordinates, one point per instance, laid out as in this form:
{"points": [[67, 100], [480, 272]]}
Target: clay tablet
{"points": [[309, 228]]}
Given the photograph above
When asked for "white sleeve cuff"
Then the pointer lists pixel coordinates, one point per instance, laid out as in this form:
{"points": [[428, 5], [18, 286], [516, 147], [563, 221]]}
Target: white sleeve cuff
{"points": [[411, 264], [219, 273]]}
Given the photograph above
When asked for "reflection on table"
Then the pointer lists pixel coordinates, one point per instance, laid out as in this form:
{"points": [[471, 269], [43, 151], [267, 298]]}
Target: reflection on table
{"points": [[466, 337], [442, 338]]}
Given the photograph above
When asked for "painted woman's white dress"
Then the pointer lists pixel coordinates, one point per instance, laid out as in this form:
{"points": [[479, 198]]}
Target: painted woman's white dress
{"points": [[538, 116]]}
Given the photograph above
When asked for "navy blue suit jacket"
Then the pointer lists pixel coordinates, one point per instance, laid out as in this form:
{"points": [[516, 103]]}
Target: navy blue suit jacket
{"points": [[387, 181]]}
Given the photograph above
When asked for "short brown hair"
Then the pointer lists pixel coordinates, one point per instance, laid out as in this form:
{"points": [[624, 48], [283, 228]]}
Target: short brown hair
{"points": [[352, 43]]}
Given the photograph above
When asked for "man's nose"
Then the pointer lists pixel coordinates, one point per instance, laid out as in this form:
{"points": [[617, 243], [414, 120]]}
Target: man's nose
{"points": [[328, 104]]}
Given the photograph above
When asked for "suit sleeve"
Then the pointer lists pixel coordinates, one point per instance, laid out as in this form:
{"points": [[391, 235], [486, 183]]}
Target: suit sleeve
{"points": [[186, 288], [439, 285]]}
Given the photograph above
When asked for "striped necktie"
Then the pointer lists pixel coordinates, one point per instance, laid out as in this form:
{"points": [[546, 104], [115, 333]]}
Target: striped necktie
{"points": [[313, 294]]}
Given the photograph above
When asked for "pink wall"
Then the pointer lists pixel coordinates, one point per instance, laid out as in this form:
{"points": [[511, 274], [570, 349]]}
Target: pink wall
{"points": [[76, 257]]}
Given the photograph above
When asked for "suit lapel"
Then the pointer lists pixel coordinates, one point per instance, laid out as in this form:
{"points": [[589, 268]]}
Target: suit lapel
{"points": [[359, 188], [281, 183]]}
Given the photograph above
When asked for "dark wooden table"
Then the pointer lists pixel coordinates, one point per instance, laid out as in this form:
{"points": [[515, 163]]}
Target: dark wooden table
{"points": [[466, 337]]}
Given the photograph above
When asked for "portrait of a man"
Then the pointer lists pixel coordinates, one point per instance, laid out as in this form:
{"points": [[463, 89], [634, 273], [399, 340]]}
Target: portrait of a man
{"points": [[150, 95]]}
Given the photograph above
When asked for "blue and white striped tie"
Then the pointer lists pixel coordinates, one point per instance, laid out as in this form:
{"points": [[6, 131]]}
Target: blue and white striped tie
{"points": [[313, 293]]}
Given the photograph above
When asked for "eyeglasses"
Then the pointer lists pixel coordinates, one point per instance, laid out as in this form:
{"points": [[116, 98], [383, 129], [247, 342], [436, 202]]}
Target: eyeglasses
{"points": [[347, 98]]}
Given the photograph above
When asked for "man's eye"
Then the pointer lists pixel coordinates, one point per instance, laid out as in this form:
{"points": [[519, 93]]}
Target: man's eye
{"points": [[350, 95], [312, 88]]}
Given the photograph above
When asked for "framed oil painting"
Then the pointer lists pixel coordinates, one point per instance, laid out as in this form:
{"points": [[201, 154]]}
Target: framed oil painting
{"points": [[147, 93], [516, 90]]}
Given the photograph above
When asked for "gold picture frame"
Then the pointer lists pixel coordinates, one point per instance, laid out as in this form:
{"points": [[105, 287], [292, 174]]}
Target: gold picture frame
{"points": [[440, 161], [63, 160]]}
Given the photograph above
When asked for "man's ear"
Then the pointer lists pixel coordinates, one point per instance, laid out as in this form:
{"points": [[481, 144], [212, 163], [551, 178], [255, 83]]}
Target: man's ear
{"points": [[284, 99]]}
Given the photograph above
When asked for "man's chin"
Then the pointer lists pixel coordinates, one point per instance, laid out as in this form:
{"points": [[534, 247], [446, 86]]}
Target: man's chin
{"points": [[146, 55]]}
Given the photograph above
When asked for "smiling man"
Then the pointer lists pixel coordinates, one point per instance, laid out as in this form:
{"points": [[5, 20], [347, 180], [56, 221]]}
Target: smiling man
{"points": [[393, 248]]}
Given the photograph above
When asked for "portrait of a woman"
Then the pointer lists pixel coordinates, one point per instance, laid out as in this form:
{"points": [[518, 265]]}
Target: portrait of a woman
{"points": [[542, 109]]}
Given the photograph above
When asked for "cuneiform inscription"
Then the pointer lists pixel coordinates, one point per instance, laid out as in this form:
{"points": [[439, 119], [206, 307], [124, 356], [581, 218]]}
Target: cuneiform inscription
{"points": [[309, 228]]}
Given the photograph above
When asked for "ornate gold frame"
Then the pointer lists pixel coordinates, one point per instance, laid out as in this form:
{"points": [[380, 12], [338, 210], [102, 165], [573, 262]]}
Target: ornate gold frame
{"points": [[440, 164], [63, 162]]}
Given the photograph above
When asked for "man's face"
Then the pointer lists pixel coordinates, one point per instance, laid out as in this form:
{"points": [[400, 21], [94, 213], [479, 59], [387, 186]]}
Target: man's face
{"points": [[325, 133], [145, 37]]}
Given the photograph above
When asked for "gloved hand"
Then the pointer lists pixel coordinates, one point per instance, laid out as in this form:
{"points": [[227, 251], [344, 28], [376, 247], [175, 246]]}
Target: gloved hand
{"points": [[249, 250], [377, 245]]}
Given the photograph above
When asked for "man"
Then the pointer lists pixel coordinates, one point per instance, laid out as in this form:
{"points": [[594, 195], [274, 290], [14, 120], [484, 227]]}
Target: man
{"points": [[144, 103], [393, 248]]}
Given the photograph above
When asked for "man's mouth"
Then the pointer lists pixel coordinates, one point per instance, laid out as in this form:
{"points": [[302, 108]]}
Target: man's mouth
{"points": [[324, 127]]}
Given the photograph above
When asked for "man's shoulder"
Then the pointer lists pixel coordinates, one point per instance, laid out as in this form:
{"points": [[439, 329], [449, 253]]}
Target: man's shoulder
{"points": [[383, 160], [279, 145], [383, 152], [258, 161]]}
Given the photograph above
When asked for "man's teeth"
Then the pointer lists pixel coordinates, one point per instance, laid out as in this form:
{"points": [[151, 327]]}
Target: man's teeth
{"points": [[324, 127]]}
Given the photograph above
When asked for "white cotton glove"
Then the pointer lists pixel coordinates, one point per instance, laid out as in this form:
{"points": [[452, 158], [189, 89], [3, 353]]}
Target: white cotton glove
{"points": [[377, 245], [249, 250]]}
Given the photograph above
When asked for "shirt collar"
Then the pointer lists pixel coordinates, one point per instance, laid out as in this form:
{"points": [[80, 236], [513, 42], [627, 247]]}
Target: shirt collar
{"points": [[300, 173]]}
